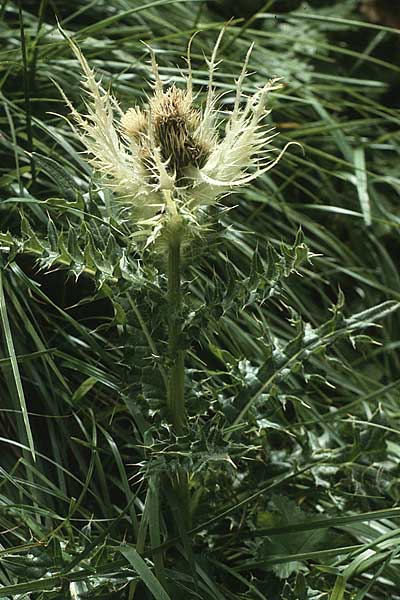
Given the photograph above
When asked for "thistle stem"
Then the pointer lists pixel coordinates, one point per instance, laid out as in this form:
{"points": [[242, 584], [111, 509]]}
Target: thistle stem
{"points": [[176, 379]]}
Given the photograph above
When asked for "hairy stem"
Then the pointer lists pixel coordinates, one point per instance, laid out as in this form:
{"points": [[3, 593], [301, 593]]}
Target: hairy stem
{"points": [[176, 380]]}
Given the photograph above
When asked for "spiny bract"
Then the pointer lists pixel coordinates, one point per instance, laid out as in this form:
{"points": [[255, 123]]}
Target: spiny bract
{"points": [[169, 159]]}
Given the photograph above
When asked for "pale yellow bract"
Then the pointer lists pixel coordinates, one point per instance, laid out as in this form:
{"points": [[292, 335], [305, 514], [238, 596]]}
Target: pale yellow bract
{"points": [[170, 158]]}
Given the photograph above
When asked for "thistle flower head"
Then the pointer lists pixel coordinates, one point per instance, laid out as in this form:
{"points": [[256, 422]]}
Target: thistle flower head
{"points": [[134, 123], [168, 159]]}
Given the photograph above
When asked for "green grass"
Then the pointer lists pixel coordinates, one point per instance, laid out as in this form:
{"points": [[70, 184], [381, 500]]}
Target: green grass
{"points": [[293, 445]]}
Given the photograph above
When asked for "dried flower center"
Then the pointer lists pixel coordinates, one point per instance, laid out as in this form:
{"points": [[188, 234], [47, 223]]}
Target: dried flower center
{"points": [[174, 123]]}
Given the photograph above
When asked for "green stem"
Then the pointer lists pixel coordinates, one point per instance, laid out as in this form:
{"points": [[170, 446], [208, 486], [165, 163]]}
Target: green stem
{"points": [[176, 380]]}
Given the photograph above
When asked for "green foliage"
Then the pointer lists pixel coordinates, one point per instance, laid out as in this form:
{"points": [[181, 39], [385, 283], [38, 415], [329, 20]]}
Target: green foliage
{"points": [[289, 316], [290, 543]]}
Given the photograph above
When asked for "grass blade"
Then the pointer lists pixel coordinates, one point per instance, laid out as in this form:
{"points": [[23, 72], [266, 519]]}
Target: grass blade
{"points": [[14, 366], [147, 576], [339, 589], [361, 183]]}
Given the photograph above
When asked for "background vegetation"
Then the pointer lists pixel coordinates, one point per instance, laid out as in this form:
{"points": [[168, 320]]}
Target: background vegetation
{"points": [[293, 448]]}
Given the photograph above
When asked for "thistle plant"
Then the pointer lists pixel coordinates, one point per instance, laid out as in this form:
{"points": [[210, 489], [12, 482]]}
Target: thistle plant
{"points": [[167, 162]]}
